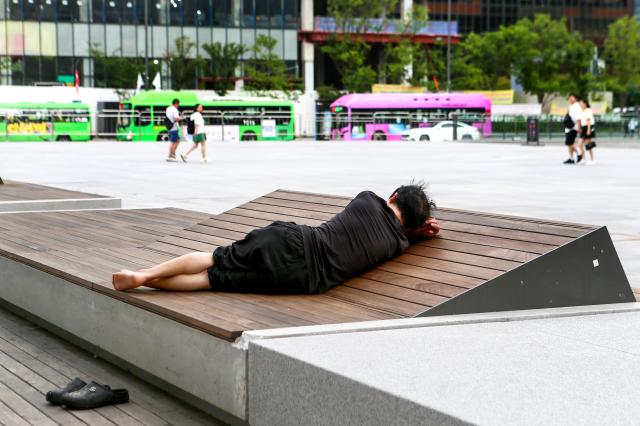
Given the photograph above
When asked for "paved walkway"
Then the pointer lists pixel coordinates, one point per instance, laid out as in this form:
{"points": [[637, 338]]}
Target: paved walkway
{"points": [[32, 361], [500, 178]]}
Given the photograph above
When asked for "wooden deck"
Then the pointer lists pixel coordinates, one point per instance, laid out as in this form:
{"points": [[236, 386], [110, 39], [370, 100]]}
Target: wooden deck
{"points": [[33, 362], [22, 191], [86, 247]]}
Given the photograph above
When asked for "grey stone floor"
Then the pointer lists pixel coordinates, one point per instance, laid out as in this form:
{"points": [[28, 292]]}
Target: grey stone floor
{"points": [[32, 361], [500, 178]]}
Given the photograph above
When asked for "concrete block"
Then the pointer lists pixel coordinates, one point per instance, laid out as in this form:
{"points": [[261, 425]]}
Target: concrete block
{"points": [[209, 369]]}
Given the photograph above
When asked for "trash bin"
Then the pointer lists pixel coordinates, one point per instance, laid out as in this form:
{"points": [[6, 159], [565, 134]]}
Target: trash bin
{"points": [[533, 130]]}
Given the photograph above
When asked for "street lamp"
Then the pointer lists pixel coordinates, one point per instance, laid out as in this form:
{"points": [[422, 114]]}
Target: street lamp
{"points": [[448, 45]]}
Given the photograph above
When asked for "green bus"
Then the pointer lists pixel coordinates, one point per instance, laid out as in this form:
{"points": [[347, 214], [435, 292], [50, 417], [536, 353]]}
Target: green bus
{"points": [[141, 118], [45, 121]]}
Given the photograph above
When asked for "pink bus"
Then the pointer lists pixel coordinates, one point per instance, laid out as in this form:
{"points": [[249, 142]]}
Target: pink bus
{"points": [[384, 116]]}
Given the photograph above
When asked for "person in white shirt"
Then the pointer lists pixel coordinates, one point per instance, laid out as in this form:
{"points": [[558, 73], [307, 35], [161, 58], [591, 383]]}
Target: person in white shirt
{"points": [[173, 115], [588, 131], [199, 135], [571, 131]]}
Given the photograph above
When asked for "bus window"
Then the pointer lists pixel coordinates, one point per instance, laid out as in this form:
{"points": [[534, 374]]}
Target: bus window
{"points": [[212, 117], [281, 114], [159, 113], [142, 116]]}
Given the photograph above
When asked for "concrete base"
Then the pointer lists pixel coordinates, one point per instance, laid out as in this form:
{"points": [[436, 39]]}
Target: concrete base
{"points": [[60, 204], [210, 372], [555, 366]]}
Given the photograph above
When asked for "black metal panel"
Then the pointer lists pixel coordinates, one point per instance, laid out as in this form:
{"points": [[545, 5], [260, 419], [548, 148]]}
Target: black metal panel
{"points": [[586, 271]]}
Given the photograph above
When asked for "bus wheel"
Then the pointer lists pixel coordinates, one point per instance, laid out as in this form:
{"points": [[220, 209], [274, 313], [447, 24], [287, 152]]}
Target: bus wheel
{"points": [[379, 136], [63, 138], [425, 138], [249, 136], [163, 137]]}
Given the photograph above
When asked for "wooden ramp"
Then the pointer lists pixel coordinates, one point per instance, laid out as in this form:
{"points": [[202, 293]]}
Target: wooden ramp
{"points": [[21, 196], [473, 249]]}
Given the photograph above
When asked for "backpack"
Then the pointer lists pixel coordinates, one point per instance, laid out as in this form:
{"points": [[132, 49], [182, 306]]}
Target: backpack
{"points": [[191, 126], [568, 122], [168, 123]]}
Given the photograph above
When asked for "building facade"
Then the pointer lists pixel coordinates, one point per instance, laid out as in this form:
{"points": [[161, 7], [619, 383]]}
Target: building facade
{"points": [[590, 17], [47, 40]]}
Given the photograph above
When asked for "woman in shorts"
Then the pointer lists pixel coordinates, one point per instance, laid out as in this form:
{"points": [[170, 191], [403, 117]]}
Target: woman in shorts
{"points": [[588, 133], [199, 135]]}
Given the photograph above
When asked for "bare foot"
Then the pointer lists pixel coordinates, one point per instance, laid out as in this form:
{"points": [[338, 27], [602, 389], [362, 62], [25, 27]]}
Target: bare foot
{"points": [[126, 280]]}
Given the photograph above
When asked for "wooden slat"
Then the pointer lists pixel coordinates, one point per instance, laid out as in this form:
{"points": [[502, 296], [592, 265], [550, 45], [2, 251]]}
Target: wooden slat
{"points": [[87, 247]]}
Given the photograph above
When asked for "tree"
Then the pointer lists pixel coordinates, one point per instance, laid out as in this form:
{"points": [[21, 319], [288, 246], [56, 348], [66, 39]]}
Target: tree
{"points": [[185, 68], [225, 59], [116, 71], [550, 59], [622, 52], [266, 70], [349, 54]]}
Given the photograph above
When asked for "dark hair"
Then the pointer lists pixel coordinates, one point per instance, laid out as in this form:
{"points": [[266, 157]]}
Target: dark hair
{"points": [[195, 108], [586, 102], [574, 95], [175, 101], [414, 204]]}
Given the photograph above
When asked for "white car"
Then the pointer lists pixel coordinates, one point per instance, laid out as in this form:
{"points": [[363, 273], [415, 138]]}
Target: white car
{"points": [[443, 131]]}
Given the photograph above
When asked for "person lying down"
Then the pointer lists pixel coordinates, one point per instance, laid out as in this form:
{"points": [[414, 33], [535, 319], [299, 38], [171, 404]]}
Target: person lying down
{"points": [[286, 258]]}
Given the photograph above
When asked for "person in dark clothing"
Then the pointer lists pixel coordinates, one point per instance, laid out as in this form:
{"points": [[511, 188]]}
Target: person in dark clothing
{"points": [[286, 258]]}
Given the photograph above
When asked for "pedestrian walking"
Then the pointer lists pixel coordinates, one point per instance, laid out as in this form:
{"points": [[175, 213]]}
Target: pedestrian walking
{"points": [[571, 128], [632, 126], [588, 132], [195, 127], [172, 122]]}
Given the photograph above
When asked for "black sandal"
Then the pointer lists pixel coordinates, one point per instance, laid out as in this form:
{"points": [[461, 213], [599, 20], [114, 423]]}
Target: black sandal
{"points": [[94, 395], [55, 396]]}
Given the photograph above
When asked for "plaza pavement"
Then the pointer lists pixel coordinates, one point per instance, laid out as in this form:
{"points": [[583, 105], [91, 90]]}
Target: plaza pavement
{"points": [[492, 177]]}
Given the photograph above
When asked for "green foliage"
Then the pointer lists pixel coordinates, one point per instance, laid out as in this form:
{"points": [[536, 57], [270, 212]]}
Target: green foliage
{"points": [[225, 59], [266, 70], [349, 54], [542, 54], [327, 93], [116, 71], [622, 52], [551, 59], [185, 69]]}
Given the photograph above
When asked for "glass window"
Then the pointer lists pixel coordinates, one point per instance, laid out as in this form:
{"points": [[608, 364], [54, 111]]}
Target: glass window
{"points": [[30, 10], [68, 11], [129, 13], [97, 11], [176, 12], [291, 14], [113, 40], [276, 13], [221, 12], [97, 37], [203, 13], [48, 69], [157, 11], [65, 40], [262, 14], [81, 40], [159, 40], [248, 14], [129, 41], [112, 10], [142, 116], [47, 10], [83, 10], [2, 9], [31, 69], [15, 9], [31, 38]]}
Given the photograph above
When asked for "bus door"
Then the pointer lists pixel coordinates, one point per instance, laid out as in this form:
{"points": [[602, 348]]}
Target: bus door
{"points": [[142, 124]]}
